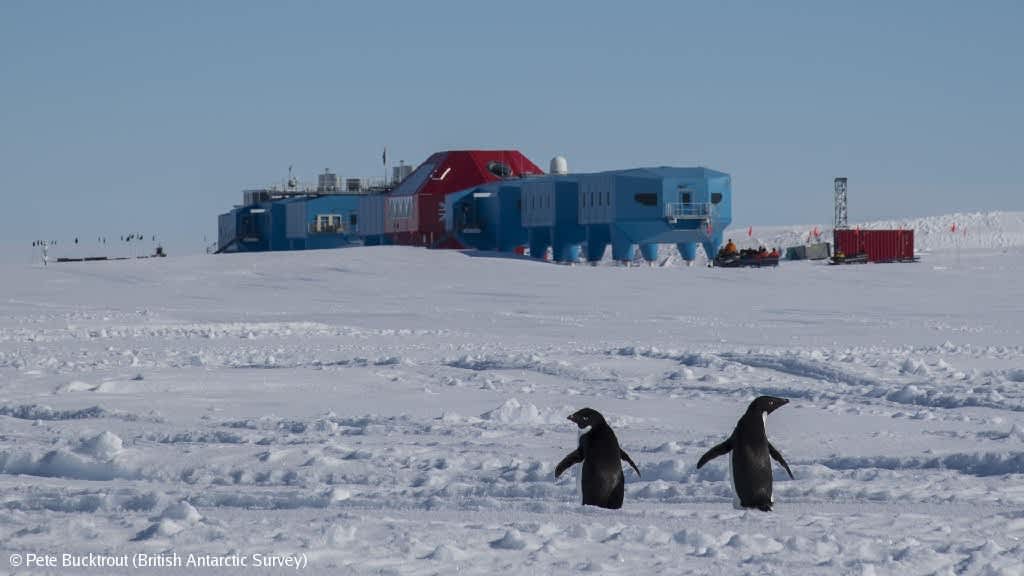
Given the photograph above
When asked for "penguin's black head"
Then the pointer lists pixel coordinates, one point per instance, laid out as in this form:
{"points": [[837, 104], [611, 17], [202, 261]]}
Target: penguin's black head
{"points": [[767, 404], [587, 417]]}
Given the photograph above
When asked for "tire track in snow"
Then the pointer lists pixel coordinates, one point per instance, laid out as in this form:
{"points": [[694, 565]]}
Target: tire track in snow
{"points": [[804, 369], [991, 389], [976, 464], [922, 393]]}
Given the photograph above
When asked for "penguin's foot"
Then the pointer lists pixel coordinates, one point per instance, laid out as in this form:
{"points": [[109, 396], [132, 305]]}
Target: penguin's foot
{"points": [[764, 507]]}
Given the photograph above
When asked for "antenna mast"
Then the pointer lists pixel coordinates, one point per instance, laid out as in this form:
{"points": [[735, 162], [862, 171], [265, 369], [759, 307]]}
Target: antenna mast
{"points": [[292, 182], [840, 196]]}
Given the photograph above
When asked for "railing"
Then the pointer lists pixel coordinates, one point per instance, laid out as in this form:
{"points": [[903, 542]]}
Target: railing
{"points": [[687, 211], [328, 229]]}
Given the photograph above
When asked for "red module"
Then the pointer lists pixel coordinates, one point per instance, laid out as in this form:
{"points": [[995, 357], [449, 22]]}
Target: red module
{"points": [[414, 211], [879, 245]]}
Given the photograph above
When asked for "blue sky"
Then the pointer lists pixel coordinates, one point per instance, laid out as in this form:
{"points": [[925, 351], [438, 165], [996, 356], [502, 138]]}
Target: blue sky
{"points": [[119, 117]]}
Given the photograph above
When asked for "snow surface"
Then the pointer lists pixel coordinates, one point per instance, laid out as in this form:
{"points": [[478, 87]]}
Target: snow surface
{"points": [[400, 411]]}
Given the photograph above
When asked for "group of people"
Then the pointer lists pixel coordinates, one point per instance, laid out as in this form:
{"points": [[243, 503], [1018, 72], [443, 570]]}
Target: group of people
{"points": [[99, 240], [761, 252], [131, 240]]}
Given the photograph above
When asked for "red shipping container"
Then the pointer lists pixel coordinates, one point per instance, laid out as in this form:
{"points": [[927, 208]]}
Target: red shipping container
{"points": [[879, 245]]}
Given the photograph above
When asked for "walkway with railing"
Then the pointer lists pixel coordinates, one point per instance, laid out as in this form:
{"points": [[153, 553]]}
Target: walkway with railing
{"points": [[687, 211]]}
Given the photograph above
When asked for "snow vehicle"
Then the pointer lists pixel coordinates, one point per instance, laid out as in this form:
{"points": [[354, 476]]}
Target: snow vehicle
{"points": [[841, 258], [746, 259]]}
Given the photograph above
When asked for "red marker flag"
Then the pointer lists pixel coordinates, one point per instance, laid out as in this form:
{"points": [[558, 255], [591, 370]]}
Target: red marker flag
{"points": [[750, 231], [953, 228]]}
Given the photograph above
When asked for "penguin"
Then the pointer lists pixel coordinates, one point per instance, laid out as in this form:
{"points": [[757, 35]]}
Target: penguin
{"points": [[751, 455], [602, 482]]}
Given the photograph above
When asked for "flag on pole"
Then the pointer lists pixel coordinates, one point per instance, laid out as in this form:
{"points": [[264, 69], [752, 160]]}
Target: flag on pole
{"points": [[384, 157], [953, 228], [750, 231]]}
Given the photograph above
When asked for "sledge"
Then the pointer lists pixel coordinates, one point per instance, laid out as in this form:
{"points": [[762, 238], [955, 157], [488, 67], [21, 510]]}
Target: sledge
{"points": [[841, 258], [746, 260]]}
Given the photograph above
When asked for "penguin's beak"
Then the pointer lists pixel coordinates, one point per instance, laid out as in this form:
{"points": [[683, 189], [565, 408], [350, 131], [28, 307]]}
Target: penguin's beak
{"points": [[779, 403], [571, 417]]}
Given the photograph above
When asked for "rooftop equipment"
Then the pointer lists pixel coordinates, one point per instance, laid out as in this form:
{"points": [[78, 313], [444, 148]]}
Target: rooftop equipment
{"points": [[559, 165], [400, 172], [328, 182]]}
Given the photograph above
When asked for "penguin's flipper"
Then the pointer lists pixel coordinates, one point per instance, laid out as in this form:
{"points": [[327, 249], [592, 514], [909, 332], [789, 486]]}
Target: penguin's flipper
{"points": [[721, 449], [624, 456], [574, 457], [778, 458]]}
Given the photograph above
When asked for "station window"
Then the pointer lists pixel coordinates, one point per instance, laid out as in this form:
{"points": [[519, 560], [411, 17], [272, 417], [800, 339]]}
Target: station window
{"points": [[401, 208], [716, 197], [327, 223], [647, 199], [499, 169]]}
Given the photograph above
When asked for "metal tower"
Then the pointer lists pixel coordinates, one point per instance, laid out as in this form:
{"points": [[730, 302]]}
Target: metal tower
{"points": [[840, 188]]}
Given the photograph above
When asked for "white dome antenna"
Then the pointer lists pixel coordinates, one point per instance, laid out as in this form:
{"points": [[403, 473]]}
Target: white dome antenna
{"points": [[559, 165]]}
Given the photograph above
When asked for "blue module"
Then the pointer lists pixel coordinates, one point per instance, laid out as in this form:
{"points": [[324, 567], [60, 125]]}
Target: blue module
{"points": [[487, 217], [291, 223], [584, 213]]}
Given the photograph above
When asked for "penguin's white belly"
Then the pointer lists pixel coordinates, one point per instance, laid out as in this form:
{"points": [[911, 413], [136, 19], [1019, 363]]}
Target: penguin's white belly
{"points": [[764, 420], [579, 476], [579, 483], [735, 491]]}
